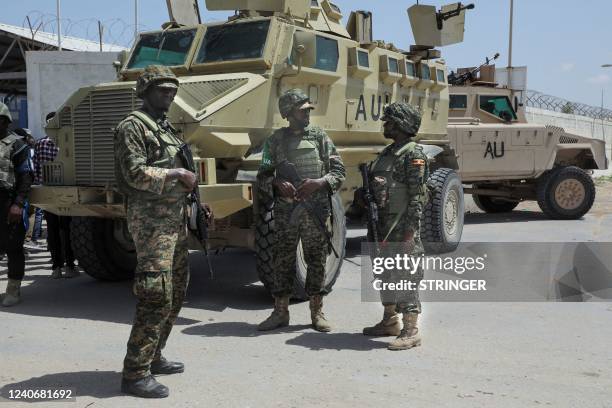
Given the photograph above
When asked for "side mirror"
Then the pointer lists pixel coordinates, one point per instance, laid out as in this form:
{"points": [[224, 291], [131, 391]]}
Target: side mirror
{"points": [[304, 51], [121, 61]]}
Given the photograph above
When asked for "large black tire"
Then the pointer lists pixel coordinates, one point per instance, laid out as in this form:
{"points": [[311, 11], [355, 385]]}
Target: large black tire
{"points": [[265, 239], [566, 193], [102, 248], [494, 205], [442, 223]]}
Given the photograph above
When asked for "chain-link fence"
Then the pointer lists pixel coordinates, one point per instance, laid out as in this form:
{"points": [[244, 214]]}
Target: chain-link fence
{"points": [[539, 100]]}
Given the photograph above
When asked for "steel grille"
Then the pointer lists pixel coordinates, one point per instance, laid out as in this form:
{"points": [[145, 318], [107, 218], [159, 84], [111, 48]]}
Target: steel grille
{"points": [[201, 94], [95, 119]]}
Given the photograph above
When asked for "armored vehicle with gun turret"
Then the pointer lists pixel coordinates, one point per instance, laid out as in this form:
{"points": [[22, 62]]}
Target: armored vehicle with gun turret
{"points": [[505, 160], [231, 74]]}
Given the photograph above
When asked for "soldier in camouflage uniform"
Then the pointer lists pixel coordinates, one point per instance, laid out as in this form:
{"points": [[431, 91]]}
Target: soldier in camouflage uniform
{"points": [[320, 167], [399, 177], [155, 185], [16, 177]]}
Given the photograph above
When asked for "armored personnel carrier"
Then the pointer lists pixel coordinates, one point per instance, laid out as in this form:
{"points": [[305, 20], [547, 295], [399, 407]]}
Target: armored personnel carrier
{"points": [[231, 74], [507, 160]]}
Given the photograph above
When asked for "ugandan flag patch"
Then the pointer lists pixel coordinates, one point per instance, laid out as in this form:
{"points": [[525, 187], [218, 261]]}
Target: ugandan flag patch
{"points": [[418, 162]]}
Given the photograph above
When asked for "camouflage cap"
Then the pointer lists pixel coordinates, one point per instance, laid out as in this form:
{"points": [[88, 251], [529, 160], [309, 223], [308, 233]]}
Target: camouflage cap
{"points": [[158, 75], [4, 111], [293, 98], [406, 116]]}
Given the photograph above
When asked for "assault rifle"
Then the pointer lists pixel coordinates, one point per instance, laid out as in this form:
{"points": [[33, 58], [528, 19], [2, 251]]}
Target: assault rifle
{"points": [[197, 223], [371, 207], [468, 76], [287, 171]]}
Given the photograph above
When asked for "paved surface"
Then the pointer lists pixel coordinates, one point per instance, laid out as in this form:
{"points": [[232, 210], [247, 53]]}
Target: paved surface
{"points": [[72, 334]]}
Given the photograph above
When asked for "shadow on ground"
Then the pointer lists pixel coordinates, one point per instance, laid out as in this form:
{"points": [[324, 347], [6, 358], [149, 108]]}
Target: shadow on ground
{"points": [[238, 329], [235, 285], [97, 384], [337, 341], [513, 216]]}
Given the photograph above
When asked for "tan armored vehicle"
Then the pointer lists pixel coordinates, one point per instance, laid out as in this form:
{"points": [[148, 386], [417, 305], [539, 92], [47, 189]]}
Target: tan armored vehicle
{"points": [[507, 160], [231, 75]]}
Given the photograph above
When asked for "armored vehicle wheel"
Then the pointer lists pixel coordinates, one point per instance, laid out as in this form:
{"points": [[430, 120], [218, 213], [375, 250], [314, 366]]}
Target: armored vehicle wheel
{"points": [[494, 205], [103, 248], [566, 193], [442, 222], [264, 248]]}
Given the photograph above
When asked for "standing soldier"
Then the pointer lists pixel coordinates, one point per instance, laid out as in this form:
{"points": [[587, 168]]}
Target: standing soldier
{"points": [[155, 185], [319, 166], [16, 177], [398, 179]]}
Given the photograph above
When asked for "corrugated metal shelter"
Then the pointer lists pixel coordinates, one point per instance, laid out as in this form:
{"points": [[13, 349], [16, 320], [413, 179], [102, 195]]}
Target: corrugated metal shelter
{"points": [[15, 41]]}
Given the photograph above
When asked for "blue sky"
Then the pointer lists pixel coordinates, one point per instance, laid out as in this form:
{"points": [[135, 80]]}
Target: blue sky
{"points": [[563, 42]]}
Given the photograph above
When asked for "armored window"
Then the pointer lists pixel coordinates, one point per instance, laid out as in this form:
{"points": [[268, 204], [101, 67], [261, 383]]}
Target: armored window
{"points": [[458, 102], [327, 54], [230, 42], [410, 69], [364, 59], [497, 105], [425, 74], [440, 76], [168, 48], [393, 65]]}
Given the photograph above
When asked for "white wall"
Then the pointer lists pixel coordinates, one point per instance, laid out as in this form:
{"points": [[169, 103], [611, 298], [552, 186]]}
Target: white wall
{"points": [[54, 75], [579, 125]]}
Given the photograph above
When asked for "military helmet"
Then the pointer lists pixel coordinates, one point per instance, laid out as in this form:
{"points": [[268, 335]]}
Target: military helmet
{"points": [[293, 98], [4, 111], [156, 75], [406, 116]]}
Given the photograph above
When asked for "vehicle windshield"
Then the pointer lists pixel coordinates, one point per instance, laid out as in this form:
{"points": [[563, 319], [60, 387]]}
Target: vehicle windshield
{"points": [[498, 105], [168, 48], [230, 42]]}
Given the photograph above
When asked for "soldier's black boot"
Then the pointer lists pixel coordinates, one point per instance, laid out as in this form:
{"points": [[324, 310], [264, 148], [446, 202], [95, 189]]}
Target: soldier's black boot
{"points": [[147, 387], [163, 366]]}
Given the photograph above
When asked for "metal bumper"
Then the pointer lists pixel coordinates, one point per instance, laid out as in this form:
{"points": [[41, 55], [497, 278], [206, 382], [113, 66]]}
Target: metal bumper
{"points": [[224, 199]]}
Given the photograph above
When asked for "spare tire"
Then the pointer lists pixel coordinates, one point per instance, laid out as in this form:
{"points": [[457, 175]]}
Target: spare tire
{"points": [[265, 239]]}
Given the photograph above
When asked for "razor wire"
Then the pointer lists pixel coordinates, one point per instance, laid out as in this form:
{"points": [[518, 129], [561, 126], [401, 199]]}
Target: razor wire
{"points": [[540, 100], [116, 31]]}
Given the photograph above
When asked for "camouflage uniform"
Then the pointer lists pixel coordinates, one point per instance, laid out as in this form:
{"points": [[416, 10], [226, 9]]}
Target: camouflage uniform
{"points": [[398, 181], [145, 150], [405, 169], [314, 155]]}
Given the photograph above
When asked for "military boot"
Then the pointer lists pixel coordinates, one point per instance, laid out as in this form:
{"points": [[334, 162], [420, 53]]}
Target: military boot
{"points": [[13, 293], [319, 322], [147, 387], [390, 325], [409, 336], [279, 316], [162, 366]]}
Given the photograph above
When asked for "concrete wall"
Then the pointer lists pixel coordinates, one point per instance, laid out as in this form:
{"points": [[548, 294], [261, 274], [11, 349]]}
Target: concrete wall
{"points": [[54, 75], [580, 125]]}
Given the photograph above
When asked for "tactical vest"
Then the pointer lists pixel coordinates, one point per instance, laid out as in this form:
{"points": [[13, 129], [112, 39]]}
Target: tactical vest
{"points": [[396, 193], [7, 170], [168, 155], [305, 156]]}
